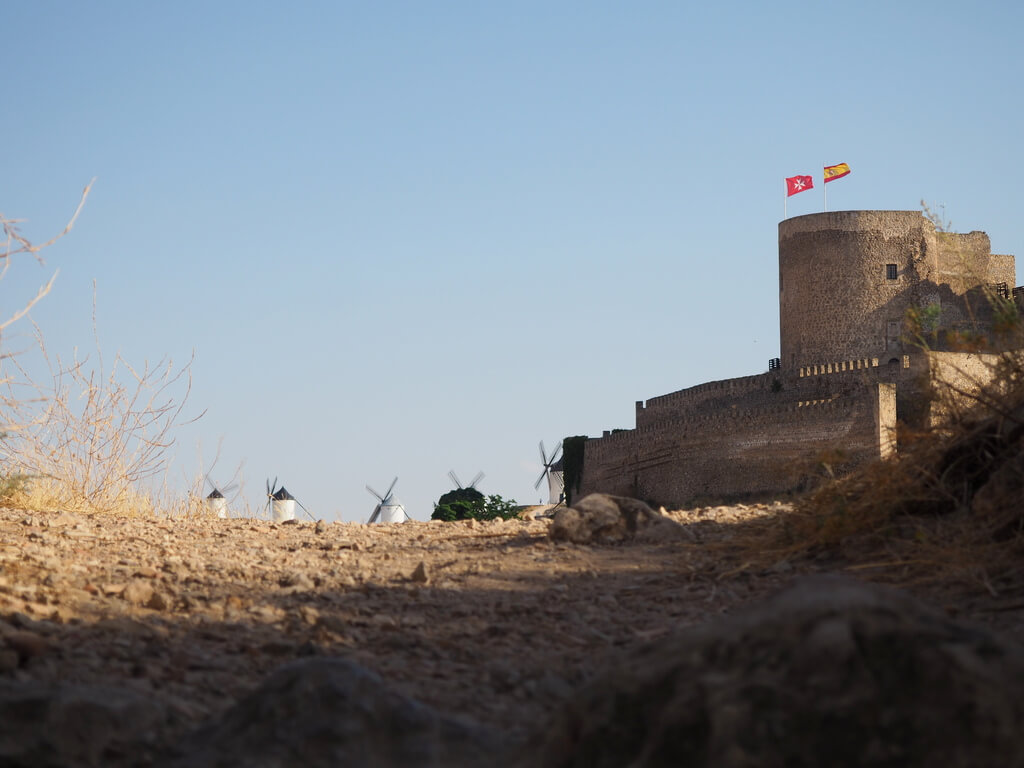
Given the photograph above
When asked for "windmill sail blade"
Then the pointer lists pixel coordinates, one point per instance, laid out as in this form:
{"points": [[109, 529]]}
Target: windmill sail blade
{"points": [[540, 479], [543, 456], [556, 452], [375, 515], [477, 479], [455, 478], [381, 498], [391, 488]]}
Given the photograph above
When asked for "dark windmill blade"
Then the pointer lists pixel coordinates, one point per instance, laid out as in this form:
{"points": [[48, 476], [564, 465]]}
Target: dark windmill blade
{"points": [[543, 475], [555, 453], [477, 479], [548, 462], [271, 490], [383, 501], [223, 490], [387, 496], [455, 479]]}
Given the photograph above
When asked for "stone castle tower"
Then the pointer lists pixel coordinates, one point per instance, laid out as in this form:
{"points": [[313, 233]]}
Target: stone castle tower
{"points": [[849, 365], [848, 279]]}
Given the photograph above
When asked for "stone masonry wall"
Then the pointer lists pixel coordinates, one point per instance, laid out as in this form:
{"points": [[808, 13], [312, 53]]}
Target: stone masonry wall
{"points": [[739, 451], [836, 292]]}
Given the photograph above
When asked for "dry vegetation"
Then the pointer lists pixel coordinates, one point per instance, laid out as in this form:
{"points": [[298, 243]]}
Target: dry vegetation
{"points": [[80, 436], [947, 507]]}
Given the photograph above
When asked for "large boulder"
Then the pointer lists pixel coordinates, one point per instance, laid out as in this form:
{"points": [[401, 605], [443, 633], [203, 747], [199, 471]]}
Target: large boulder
{"points": [[827, 673], [46, 725], [333, 712], [601, 517]]}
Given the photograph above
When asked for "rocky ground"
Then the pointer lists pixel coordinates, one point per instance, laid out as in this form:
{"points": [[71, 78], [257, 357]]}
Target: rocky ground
{"points": [[495, 622]]}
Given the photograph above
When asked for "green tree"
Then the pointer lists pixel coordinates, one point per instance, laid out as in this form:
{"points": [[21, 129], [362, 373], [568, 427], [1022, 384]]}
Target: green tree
{"points": [[459, 505]]}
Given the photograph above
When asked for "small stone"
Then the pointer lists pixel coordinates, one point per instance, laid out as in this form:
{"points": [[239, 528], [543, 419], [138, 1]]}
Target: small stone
{"points": [[111, 589], [420, 575], [146, 572], [138, 592], [298, 580], [332, 623], [265, 612], [383, 621], [309, 614], [321, 526], [157, 602], [27, 644]]}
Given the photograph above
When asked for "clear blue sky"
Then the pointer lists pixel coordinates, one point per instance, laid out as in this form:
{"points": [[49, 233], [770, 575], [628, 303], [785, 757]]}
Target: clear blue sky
{"points": [[405, 237]]}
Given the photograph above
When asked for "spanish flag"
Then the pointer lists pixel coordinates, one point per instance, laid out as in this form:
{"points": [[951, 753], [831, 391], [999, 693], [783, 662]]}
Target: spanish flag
{"points": [[833, 172]]}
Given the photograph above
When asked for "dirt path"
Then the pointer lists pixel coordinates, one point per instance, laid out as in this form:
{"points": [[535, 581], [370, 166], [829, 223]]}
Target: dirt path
{"points": [[491, 621]]}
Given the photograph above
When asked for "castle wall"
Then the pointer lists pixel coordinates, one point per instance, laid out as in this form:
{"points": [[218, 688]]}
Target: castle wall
{"points": [[702, 397], [954, 376], [739, 451]]}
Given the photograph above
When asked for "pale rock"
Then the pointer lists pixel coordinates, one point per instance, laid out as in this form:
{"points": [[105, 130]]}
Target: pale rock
{"points": [[138, 592], [600, 517]]}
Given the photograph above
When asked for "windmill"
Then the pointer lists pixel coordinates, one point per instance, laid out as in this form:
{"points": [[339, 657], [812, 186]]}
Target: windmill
{"points": [[472, 485], [388, 509], [217, 501], [282, 504], [553, 472]]}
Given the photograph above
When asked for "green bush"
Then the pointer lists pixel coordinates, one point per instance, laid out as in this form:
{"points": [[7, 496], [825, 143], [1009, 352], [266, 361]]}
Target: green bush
{"points": [[482, 508]]}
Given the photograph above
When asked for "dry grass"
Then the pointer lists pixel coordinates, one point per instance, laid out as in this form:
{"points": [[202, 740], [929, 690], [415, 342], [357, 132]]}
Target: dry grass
{"points": [[82, 436], [91, 439], [948, 506]]}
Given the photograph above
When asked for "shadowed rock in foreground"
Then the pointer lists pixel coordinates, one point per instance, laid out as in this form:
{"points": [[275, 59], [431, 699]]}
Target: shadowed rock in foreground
{"points": [[829, 672], [333, 712]]}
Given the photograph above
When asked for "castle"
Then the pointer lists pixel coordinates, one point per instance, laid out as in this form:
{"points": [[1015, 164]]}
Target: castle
{"points": [[874, 306]]}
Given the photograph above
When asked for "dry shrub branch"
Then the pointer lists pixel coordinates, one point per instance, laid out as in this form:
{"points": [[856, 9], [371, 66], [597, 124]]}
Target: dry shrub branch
{"points": [[16, 244], [78, 435], [91, 437]]}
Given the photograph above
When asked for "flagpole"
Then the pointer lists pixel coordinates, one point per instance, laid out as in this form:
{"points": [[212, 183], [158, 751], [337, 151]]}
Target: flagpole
{"points": [[824, 188], [785, 199]]}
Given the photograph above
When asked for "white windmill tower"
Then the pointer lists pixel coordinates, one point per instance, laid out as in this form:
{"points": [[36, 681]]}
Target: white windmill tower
{"points": [[217, 501], [389, 509], [282, 504], [553, 472]]}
